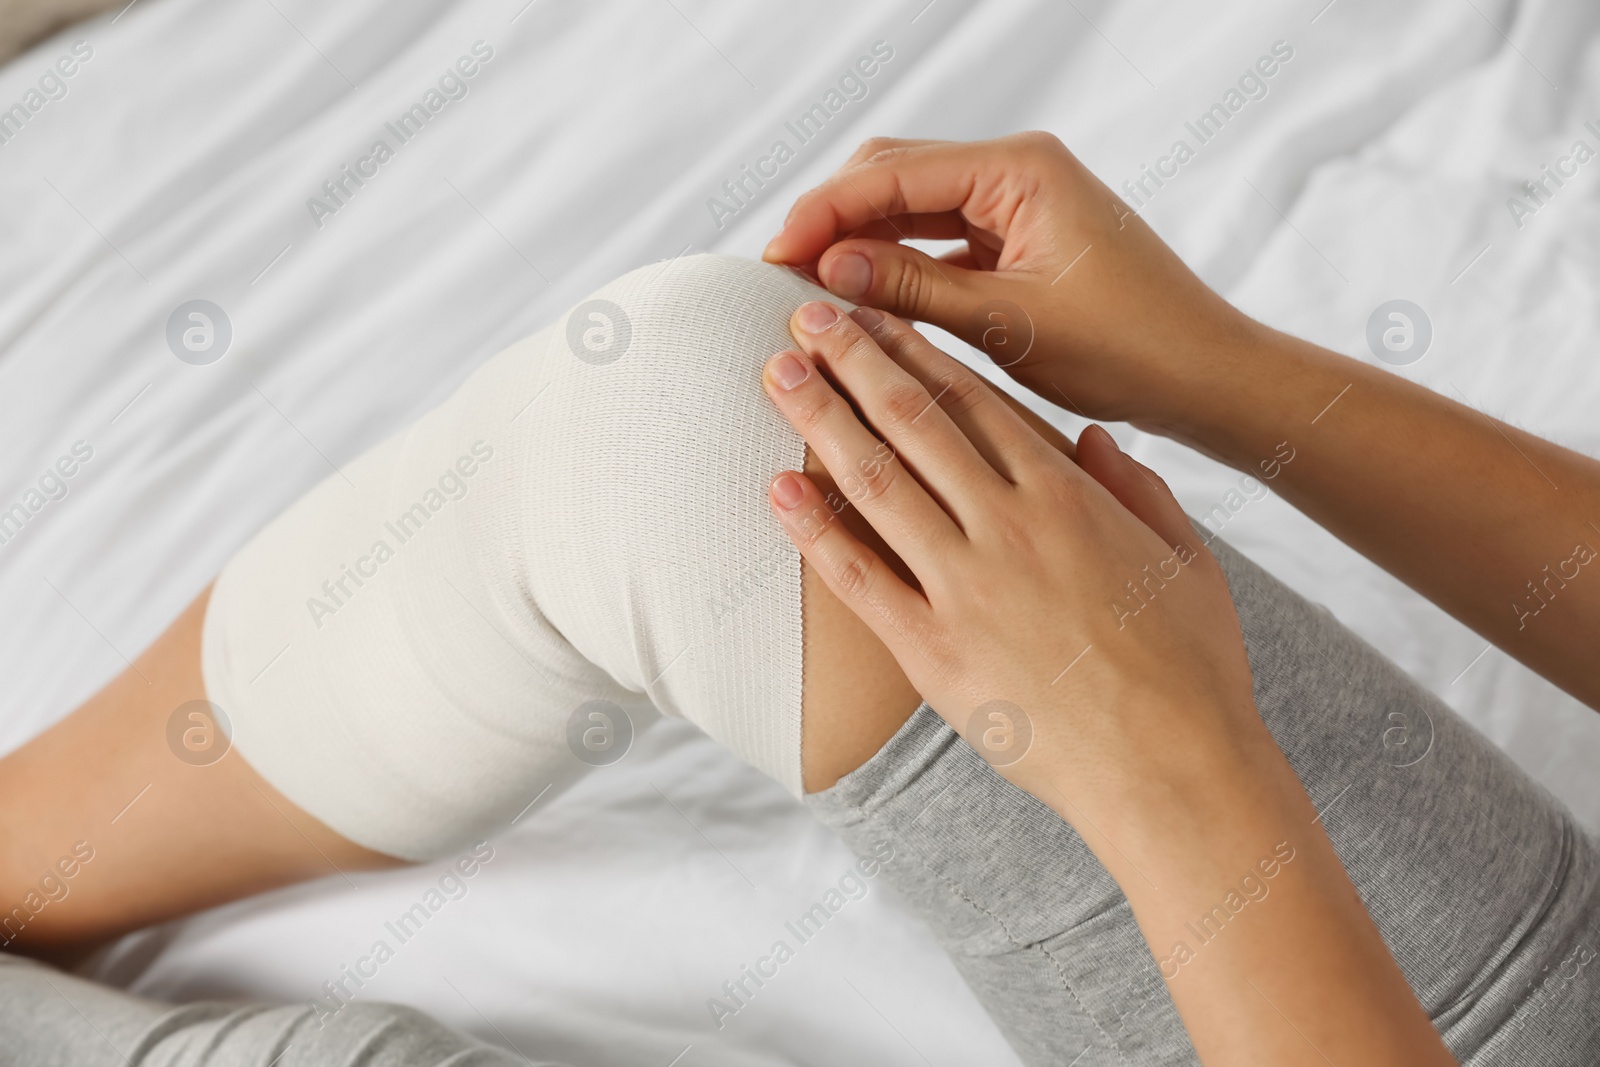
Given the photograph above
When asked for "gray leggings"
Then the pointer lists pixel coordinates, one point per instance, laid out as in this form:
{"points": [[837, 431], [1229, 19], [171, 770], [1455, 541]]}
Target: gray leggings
{"points": [[1484, 887], [1486, 891]]}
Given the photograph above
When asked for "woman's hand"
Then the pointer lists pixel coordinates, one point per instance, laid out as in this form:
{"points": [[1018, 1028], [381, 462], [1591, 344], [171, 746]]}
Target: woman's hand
{"points": [[1076, 607], [1082, 303], [1071, 626], [1060, 282]]}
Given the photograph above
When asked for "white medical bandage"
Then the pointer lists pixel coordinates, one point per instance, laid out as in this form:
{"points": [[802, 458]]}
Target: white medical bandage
{"points": [[585, 518]]}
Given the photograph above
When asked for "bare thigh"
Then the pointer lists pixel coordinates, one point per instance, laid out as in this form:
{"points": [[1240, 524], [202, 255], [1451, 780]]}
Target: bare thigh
{"points": [[170, 837]]}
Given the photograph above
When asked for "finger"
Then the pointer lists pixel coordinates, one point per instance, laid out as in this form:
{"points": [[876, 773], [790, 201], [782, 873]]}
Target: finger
{"points": [[986, 181], [900, 409], [1052, 436], [932, 226], [935, 226], [873, 145], [910, 283], [982, 251], [868, 472], [1002, 437], [1136, 487], [856, 574], [915, 179]]}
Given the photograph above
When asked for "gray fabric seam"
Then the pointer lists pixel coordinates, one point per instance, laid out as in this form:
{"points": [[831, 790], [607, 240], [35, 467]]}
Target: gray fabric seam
{"points": [[1015, 942]]}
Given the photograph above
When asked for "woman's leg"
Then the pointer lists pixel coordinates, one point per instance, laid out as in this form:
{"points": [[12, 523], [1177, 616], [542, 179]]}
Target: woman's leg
{"points": [[382, 650], [1486, 891], [594, 541], [55, 1020], [131, 811], [426, 675]]}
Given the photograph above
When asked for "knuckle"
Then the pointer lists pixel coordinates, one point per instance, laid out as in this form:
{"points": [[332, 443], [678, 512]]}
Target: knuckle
{"points": [[852, 344], [855, 576], [813, 411], [910, 289], [813, 525], [903, 402], [874, 477], [1041, 141], [960, 392], [883, 151], [872, 146]]}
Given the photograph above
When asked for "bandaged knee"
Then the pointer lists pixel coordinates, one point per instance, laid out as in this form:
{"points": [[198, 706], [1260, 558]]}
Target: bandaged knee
{"points": [[585, 520]]}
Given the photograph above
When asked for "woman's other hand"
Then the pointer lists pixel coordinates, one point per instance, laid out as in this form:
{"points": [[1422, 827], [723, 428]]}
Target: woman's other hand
{"points": [[1067, 621], [1060, 282]]}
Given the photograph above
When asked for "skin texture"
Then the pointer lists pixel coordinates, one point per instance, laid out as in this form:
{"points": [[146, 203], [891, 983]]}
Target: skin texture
{"points": [[167, 837], [1153, 748], [855, 696], [1467, 510], [200, 836]]}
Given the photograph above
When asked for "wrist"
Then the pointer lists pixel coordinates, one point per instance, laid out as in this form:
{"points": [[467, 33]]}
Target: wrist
{"points": [[1185, 390], [1190, 812], [1265, 388]]}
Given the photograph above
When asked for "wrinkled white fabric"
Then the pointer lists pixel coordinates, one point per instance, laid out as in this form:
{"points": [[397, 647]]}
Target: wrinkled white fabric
{"points": [[400, 652]]}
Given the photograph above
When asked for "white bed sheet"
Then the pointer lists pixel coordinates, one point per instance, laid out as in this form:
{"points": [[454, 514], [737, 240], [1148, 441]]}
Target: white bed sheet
{"points": [[179, 164]]}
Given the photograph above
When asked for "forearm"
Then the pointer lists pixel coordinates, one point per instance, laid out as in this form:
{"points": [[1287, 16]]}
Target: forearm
{"points": [[1498, 527], [1091, 310], [1264, 944]]}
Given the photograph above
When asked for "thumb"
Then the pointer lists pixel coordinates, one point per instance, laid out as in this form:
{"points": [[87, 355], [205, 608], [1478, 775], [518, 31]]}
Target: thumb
{"points": [[909, 283]]}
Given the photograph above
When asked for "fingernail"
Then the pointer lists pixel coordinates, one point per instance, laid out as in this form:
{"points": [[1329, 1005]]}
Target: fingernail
{"points": [[816, 316], [868, 319], [787, 490], [788, 371], [849, 275]]}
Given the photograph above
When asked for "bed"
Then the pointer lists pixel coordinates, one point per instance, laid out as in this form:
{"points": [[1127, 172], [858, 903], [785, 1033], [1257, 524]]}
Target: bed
{"points": [[202, 151]]}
